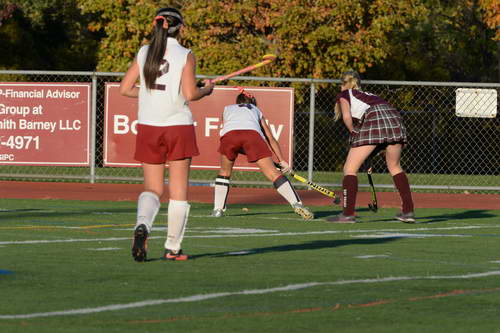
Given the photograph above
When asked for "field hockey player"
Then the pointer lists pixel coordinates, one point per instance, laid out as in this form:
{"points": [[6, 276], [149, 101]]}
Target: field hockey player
{"points": [[165, 131], [245, 131], [373, 125]]}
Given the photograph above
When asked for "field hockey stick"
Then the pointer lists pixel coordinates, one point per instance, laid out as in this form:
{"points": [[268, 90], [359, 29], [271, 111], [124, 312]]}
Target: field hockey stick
{"points": [[266, 59], [314, 186], [373, 205]]}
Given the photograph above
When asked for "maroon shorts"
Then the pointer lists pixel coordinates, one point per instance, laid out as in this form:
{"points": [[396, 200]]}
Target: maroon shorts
{"points": [[247, 142], [159, 144]]}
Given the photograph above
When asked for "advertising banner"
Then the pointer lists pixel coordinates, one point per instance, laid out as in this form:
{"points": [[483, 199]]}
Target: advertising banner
{"points": [[45, 123], [121, 121]]}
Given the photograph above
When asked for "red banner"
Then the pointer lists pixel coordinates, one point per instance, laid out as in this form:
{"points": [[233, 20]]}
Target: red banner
{"points": [[45, 123], [121, 120]]}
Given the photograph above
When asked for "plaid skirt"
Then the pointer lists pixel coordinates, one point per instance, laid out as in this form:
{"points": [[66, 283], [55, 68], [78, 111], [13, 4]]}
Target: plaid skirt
{"points": [[380, 124]]}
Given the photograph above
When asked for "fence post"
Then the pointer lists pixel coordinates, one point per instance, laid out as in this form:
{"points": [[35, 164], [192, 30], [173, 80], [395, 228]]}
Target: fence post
{"points": [[310, 154], [93, 129]]}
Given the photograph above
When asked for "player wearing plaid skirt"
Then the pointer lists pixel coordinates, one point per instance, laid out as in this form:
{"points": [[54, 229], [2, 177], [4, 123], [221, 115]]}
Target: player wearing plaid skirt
{"points": [[374, 125], [381, 124]]}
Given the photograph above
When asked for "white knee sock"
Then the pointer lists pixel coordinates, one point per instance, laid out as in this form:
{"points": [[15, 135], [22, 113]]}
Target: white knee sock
{"points": [[221, 191], [285, 188], [178, 212], [148, 205]]}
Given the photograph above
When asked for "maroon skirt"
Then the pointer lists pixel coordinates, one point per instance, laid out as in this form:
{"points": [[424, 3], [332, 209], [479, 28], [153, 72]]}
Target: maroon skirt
{"points": [[380, 124]]}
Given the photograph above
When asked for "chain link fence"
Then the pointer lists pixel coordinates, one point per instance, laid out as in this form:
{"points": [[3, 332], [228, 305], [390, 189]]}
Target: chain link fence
{"points": [[445, 152]]}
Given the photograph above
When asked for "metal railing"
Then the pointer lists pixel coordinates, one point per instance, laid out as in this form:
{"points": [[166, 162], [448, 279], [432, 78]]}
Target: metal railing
{"points": [[445, 152]]}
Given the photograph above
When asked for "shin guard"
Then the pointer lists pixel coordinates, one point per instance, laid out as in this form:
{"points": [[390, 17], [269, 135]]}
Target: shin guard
{"points": [[403, 186], [178, 213], [350, 191], [285, 188], [221, 192], [148, 205]]}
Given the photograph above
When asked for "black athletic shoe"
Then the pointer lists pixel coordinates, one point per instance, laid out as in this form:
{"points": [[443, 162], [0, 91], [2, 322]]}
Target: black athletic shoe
{"points": [[140, 245]]}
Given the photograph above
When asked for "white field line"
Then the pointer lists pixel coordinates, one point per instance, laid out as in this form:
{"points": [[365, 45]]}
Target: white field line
{"points": [[323, 232], [106, 249], [203, 297], [405, 235], [72, 240], [370, 256]]}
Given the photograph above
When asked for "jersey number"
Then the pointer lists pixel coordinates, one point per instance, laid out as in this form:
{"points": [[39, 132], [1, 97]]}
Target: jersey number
{"points": [[163, 70]]}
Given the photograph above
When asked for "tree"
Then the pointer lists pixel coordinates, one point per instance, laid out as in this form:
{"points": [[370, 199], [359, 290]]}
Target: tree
{"points": [[317, 39], [126, 25], [451, 42], [491, 15], [312, 38], [6, 12], [384, 39], [54, 31]]}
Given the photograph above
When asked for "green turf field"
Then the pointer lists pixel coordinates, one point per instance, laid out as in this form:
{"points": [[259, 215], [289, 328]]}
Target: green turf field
{"points": [[65, 266]]}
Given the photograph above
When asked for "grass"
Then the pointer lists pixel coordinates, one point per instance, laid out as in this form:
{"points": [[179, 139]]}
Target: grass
{"points": [[256, 270]]}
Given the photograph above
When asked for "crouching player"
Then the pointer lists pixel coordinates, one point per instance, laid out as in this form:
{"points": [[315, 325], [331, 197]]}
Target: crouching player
{"points": [[245, 131]]}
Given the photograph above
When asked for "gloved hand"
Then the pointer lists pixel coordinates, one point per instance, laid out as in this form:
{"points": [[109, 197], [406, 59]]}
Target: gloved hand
{"points": [[285, 167]]}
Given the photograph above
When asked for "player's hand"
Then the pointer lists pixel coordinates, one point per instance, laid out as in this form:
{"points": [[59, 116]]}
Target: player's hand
{"points": [[208, 85], [285, 167]]}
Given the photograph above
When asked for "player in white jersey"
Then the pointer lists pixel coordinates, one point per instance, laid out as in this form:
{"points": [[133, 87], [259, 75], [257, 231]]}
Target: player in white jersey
{"points": [[165, 131], [246, 132]]}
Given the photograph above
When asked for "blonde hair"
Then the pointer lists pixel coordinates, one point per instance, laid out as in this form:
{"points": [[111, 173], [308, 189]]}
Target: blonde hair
{"points": [[351, 80]]}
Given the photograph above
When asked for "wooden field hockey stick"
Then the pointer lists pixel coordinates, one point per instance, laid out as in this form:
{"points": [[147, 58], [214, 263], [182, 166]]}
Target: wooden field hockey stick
{"points": [[314, 186], [266, 59], [373, 205]]}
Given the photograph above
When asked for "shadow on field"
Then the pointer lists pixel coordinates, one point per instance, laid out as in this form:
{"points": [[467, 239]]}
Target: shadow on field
{"points": [[465, 215], [334, 211], [23, 210], [314, 245], [258, 213], [49, 213]]}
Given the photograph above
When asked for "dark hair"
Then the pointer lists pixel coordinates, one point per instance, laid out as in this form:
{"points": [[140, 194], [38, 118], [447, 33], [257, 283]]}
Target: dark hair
{"points": [[243, 98], [158, 44]]}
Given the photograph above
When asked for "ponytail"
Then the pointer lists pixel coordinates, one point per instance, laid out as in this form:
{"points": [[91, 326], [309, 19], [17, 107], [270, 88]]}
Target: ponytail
{"points": [[166, 24], [351, 80]]}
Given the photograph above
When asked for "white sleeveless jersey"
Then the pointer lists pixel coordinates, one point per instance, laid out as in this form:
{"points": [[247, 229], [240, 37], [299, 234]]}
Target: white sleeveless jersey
{"points": [[241, 117], [360, 101], [164, 105]]}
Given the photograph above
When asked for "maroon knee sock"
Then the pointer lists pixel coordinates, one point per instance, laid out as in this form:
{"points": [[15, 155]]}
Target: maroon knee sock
{"points": [[350, 190], [401, 183]]}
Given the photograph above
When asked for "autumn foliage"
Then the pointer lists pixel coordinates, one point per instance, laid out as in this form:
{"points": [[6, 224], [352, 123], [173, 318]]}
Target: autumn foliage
{"points": [[396, 39], [312, 38]]}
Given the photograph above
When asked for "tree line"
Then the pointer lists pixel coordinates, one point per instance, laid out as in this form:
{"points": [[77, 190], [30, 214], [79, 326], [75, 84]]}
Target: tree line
{"points": [[413, 40]]}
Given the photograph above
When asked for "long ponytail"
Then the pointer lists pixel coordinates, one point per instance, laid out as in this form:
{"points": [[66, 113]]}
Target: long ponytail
{"points": [[166, 24]]}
